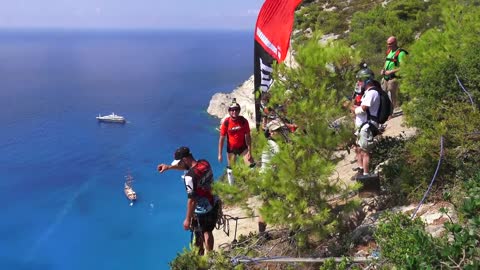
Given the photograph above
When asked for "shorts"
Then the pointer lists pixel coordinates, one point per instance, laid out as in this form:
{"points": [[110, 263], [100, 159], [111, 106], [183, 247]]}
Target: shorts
{"points": [[237, 151], [206, 222], [365, 138]]}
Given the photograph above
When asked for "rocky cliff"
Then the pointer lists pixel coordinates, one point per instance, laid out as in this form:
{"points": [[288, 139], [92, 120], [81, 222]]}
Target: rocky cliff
{"points": [[244, 94]]}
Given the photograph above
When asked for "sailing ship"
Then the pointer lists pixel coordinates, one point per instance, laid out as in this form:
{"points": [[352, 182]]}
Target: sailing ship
{"points": [[114, 118], [128, 189]]}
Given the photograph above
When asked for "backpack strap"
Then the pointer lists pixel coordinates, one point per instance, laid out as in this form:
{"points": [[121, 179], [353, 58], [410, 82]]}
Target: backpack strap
{"points": [[394, 59], [375, 131], [226, 122]]}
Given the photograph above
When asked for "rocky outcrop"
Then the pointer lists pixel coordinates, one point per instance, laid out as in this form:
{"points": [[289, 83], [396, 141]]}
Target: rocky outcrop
{"points": [[430, 213], [244, 94]]}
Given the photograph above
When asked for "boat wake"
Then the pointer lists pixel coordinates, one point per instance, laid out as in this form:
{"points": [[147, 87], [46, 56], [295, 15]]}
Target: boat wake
{"points": [[57, 221]]}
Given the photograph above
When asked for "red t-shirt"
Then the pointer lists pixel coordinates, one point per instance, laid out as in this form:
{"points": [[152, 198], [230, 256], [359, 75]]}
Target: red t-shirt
{"points": [[235, 130]]}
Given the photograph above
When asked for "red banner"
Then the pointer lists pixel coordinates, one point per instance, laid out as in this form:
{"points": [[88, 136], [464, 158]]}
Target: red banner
{"points": [[274, 26], [272, 39]]}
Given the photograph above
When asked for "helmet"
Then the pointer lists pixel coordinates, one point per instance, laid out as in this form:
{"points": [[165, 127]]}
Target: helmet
{"points": [[365, 74], [234, 105]]}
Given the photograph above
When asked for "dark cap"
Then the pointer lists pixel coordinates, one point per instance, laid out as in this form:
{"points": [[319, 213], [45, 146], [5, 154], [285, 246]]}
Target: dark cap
{"points": [[180, 153]]}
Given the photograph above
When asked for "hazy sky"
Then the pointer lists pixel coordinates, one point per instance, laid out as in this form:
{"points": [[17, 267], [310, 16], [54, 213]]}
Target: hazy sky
{"points": [[129, 14]]}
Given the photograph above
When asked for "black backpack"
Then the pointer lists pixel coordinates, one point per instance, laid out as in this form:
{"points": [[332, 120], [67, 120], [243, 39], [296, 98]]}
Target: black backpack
{"points": [[386, 108]]}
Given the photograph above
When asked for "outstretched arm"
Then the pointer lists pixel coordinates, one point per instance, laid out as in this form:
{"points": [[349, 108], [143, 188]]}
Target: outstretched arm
{"points": [[164, 167]]}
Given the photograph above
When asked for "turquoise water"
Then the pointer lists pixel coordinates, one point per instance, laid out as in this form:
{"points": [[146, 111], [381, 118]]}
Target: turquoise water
{"points": [[62, 173]]}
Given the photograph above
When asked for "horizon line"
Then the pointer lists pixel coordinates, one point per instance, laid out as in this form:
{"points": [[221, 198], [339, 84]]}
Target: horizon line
{"points": [[115, 29]]}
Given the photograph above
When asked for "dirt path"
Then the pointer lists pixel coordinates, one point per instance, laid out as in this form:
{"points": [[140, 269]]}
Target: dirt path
{"points": [[245, 226]]}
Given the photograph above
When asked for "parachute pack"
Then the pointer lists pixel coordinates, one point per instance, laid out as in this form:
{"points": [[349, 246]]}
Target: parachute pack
{"points": [[386, 107]]}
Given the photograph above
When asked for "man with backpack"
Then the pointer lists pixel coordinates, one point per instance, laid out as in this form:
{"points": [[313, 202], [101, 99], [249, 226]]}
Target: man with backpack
{"points": [[203, 207], [367, 119], [393, 61], [237, 130]]}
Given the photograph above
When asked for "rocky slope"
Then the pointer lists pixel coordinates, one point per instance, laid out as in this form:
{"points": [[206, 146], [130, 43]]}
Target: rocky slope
{"points": [[368, 214]]}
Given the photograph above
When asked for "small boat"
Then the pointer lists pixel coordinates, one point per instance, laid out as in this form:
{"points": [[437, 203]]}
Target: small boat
{"points": [[128, 189], [111, 118]]}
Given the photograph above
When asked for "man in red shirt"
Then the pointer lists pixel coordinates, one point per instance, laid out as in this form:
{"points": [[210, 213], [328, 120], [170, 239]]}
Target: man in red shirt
{"points": [[237, 131]]}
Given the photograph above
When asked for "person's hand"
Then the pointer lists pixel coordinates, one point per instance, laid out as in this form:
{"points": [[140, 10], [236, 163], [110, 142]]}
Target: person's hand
{"points": [[220, 158], [186, 224], [382, 72], [162, 167], [387, 72]]}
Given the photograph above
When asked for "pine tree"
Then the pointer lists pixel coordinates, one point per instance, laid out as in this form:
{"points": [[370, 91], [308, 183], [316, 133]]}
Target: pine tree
{"points": [[296, 190]]}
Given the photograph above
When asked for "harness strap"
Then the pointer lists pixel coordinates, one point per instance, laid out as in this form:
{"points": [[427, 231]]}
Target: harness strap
{"points": [[375, 131]]}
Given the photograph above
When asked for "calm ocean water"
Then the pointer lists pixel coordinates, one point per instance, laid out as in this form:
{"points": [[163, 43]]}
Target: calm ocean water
{"points": [[62, 173]]}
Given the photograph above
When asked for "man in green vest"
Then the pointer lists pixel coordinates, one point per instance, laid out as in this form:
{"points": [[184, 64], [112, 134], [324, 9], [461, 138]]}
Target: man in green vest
{"points": [[390, 72]]}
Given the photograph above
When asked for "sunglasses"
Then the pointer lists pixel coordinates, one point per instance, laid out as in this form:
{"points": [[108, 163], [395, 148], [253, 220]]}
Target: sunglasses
{"points": [[233, 110]]}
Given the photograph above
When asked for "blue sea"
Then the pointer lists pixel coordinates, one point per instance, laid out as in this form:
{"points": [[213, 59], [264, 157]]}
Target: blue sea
{"points": [[62, 172]]}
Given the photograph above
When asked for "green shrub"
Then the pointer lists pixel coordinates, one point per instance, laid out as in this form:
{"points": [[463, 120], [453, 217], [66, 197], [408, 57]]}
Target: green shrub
{"points": [[398, 179], [190, 260], [434, 100], [404, 19], [404, 242]]}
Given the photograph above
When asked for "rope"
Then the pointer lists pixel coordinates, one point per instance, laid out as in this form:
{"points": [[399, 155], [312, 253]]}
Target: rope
{"points": [[465, 90], [433, 179], [281, 259], [224, 223]]}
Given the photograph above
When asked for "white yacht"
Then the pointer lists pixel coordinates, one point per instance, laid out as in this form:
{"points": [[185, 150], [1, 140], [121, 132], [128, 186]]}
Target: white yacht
{"points": [[128, 189], [111, 118]]}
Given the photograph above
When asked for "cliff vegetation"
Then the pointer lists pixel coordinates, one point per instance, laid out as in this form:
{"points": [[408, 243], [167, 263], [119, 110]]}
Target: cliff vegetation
{"points": [[440, 94]]}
